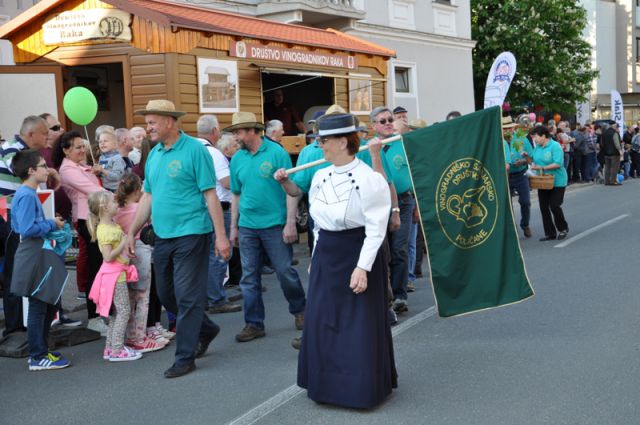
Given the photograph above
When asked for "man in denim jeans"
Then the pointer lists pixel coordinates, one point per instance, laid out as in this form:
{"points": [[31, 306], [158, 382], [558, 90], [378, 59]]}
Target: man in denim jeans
{"points": [[209, 134], [267, 222], [180, 196], [402, 204]]}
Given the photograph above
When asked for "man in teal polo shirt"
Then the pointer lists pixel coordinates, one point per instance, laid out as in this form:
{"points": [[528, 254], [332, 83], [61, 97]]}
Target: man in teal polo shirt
{"points": [[266, 221], [518, 154], [402, 203], [180, 196]]}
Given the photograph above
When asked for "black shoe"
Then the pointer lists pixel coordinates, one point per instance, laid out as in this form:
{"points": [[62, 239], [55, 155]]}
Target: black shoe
{"points": [[548, 238], [562, 235], [224, 308], [296, 342], [392, 317], [177, 371], [203, 343], [400, 306], [236, 297]]}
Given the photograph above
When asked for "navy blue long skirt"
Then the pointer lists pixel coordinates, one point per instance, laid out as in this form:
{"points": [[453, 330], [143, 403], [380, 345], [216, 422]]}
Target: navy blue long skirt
{"points": [[346, 357]]}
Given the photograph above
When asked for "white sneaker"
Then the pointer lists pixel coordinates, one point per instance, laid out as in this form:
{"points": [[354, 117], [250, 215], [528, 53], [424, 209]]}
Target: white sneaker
{"points": [[165, 332], [154, 334], [98, 325]]}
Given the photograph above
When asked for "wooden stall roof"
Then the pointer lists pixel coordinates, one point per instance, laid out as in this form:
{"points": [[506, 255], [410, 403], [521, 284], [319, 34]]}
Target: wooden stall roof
{"points": [[213, 21]]}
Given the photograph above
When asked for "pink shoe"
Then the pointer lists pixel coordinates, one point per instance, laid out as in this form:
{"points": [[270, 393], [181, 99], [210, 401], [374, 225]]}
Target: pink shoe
{"points": [[125, 355], [106, 353], [147, 345]]}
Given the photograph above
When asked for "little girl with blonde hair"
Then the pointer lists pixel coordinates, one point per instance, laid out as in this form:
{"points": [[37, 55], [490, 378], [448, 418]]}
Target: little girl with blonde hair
{"points": [[109, 290], [127, 195]]}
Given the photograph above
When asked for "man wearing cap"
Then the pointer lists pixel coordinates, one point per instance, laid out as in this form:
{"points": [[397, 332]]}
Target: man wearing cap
{"points": [[180, 196], [401, 123], [518, 153], [267, 221], [402, 204]]}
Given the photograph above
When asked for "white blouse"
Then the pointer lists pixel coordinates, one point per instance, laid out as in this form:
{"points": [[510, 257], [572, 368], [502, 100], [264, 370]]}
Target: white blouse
{"points": [[351, 196]]}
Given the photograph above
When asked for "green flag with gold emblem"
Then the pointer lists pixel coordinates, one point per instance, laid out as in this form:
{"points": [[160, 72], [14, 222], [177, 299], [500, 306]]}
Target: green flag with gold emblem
{"points": [[461, 187]]}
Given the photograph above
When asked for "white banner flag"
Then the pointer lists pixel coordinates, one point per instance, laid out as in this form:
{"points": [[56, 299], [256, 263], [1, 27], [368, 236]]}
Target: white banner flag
{"points": [[583, 112], [499, 79], [617, 110]]}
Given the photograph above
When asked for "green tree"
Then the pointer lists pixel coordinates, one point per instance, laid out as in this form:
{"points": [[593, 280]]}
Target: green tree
{"points": [[546, 37]]}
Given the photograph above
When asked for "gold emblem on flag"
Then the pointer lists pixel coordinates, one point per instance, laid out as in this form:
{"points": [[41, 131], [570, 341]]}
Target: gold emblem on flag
{"points": [[467, 205]]}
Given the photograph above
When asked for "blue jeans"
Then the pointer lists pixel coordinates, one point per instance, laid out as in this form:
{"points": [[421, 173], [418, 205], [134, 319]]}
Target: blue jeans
{"points": [[520, 183], [252, 243], [216, 294], [591, 166], [181, 266], [39, 321], [413, 235], [399, 244]]}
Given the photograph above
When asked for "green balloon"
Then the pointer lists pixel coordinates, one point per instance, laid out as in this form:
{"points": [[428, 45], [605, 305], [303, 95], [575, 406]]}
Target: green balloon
{"points": [[80, 105]]}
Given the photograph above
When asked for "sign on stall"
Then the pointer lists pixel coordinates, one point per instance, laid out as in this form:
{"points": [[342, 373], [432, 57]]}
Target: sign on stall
{"points": [[93, 24], [241, 49]]}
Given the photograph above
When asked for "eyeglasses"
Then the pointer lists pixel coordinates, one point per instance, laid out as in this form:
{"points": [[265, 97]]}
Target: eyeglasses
{"points": [[55, 128], [323, 140], [383, 121], [45, 166]]}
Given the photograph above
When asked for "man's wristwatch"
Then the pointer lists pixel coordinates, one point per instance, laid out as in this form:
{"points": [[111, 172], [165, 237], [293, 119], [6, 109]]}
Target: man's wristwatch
{"points": [[395, 209]]}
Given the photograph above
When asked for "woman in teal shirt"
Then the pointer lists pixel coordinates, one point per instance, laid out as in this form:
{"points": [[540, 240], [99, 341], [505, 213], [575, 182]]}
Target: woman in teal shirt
{"points": [[549, 158]]}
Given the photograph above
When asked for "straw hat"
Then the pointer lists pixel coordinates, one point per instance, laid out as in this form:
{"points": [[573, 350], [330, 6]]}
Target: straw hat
{"points": [[161, 107], [335, 109], [417, 123], [507, 122], [243, 120]]}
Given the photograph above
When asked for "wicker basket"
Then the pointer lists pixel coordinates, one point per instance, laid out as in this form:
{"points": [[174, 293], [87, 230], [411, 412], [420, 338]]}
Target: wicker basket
{"points": [[543, 181]]}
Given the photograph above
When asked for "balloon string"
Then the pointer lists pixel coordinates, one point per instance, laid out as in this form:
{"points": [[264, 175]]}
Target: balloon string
{"points": [[90, 147]]}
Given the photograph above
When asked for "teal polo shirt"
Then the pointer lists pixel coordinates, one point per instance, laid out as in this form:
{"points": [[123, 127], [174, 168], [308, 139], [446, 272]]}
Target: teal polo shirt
{"points": [[552, 154], [397, 161], [263, 202], [513, 153], [176, 179], [313, 152], [365, 156], [309, 153]]}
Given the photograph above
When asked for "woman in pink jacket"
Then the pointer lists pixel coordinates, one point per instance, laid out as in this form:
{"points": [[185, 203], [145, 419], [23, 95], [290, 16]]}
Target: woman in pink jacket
{"points": [[79, 181]]}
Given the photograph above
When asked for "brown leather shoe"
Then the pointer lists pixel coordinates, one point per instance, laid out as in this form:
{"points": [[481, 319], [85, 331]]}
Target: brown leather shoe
{"points": [[299, 321], [249, 333], [527, 232]]}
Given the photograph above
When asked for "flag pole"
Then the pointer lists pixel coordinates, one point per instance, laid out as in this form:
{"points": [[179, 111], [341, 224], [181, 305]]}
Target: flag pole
{"points": [[322, 161], [86, 133]]}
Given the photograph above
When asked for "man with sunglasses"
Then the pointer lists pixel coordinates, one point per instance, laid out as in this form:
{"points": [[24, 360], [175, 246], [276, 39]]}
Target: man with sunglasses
{"points": [[402, 204]]}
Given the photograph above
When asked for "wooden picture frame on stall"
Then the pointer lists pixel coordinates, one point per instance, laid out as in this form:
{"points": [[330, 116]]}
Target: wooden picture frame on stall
{"points": [[360, 97]]}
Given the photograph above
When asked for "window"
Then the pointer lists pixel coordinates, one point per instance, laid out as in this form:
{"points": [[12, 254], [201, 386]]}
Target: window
{"points": [[403, 76], [404, 83], [401, 14]]}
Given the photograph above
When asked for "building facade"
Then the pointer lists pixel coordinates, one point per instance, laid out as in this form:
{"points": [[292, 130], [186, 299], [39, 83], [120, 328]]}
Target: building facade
{"points": [[431, 74], [613, 30]]}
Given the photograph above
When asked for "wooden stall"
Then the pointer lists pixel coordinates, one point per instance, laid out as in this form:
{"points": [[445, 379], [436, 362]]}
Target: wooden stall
{"points": [[205, 61]]}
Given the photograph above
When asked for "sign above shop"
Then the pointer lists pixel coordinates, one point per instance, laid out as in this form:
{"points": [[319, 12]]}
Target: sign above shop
{"points": [[93, 24], [244, 50]]}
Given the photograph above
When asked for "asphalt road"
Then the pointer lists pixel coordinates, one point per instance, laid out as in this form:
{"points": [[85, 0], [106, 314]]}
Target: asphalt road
{"points": [[570, 355]]}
